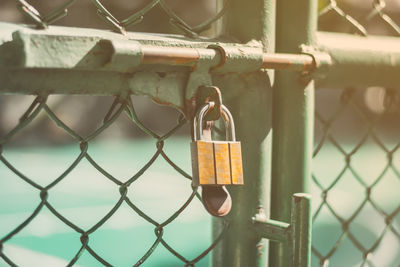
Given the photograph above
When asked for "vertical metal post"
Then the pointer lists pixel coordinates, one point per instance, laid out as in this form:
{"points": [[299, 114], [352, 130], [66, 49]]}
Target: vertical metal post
{"points": [[301, 223], [293, 116], [242, 246]]}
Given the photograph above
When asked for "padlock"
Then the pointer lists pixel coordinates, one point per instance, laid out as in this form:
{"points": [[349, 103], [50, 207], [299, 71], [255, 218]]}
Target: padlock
{"points": [[216, 162]]}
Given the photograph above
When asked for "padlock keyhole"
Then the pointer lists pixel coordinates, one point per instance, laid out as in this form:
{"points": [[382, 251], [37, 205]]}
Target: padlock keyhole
{"points": [[216, 200]]}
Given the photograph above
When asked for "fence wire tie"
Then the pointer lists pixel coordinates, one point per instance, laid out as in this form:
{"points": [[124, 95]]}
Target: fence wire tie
{"points": [[41, 21]]}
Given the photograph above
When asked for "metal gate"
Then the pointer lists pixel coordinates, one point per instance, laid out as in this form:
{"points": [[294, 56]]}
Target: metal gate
{"points": [[267, 58]]}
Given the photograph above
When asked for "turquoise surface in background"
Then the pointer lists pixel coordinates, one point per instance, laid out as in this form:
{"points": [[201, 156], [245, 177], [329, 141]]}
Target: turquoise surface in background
{"points": [[85, 196]]}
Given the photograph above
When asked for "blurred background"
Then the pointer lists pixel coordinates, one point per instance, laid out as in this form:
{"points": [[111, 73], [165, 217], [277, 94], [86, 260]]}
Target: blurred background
{"points": [[356, 129]]}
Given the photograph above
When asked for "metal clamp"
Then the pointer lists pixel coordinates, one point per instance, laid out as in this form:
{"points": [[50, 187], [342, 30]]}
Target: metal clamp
{"points": [[239, 58], [321, 61]]}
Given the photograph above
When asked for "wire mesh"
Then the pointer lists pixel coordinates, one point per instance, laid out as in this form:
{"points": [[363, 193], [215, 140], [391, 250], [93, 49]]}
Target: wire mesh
{"points": [[360, 17], [356, 154], [121, 105], [120, 25], [357, 191], [369, 219]]}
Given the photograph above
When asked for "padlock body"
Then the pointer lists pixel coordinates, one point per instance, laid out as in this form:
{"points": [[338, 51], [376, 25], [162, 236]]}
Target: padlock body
{"points": [[235, 150], [216, 163]]}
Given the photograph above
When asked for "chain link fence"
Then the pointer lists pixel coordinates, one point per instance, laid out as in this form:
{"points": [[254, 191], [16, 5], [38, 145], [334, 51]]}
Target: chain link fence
{"points": [[175, 11], [119, 107], [356, 207], [360, 17], [356, 156]]}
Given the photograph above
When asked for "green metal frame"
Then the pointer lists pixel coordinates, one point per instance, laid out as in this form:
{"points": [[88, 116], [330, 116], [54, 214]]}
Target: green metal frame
{"points": [[242, 246], [273, 111], [293, 117]]}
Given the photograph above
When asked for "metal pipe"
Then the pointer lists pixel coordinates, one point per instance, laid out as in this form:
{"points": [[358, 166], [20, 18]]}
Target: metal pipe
{"points": [[360, 61], [184, 56], [301, 223], [281, 61], [297, 234], [353, 57], [251, 109], [356, 60], [272, 230], [293, 117]]}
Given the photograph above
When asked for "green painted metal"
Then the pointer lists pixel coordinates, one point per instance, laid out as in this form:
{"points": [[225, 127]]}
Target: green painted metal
{"points": [[107, 63], [241, 245], [296, 235], [292, 117], [360, 61], [301, 224], [251, 108], [271, 229], [357, 60]]}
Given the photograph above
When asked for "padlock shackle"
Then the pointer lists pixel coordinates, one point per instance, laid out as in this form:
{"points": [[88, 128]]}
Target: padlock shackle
{"points": [[229, 124], [226, 115]]}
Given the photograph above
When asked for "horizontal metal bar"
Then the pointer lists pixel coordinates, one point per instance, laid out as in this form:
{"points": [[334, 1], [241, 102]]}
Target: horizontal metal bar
{"points": [[190, 56], [360, 61], [87, 49], [355, 60], [280, 61], [174, 55], [271, 229], [297, 234]]}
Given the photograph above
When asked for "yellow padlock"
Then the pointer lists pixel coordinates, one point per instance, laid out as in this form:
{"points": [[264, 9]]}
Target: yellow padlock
{"points": [[216, 162]]}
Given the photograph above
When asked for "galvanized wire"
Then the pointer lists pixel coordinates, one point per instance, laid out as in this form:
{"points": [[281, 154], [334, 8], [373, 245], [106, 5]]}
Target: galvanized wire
{"points": [[358, 19], [349, 103], [120, 106], [42, 21], [362, 18], [339, 16]]}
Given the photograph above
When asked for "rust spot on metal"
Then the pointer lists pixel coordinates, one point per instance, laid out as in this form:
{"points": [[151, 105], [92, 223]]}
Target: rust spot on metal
{"points": [[222, 164], [161, 74], [168, 104], [206, 94], [235, 156], [203, 163], [259, 248], [190, 108], [270, 61], [288, 61], [170, 55]]}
